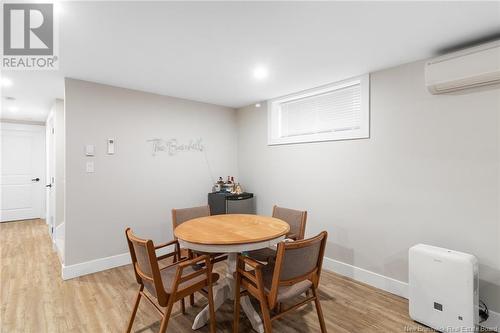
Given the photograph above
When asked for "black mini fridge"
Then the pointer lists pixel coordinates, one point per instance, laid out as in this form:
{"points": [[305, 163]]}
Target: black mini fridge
{"points": [[227, 203]]}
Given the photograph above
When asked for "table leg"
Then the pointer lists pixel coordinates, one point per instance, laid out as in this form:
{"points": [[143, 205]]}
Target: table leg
{"points": [[225, 290], [252, 315], [221, 293]]}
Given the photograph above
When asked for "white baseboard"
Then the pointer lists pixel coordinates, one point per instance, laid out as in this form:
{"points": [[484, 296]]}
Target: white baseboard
{"points": [[93, 266], [362, 275], [101, 264]]}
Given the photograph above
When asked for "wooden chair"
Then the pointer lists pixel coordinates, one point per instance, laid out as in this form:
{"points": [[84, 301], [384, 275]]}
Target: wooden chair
{"points": [[181, 215], [296, 219], [171, 283], [297, 269]]}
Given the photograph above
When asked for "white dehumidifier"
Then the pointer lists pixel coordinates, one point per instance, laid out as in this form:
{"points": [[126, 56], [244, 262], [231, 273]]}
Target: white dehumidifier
{"points": [[443, 288]]}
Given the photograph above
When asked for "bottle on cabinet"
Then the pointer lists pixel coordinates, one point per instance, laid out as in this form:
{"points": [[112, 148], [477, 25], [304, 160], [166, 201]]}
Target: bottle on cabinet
{"points": [[225, 186], [237, 188], [218, 186]]}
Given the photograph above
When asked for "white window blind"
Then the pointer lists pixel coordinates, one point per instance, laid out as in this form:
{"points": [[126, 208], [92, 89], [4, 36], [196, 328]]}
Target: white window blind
{"points": [[334, 112]]}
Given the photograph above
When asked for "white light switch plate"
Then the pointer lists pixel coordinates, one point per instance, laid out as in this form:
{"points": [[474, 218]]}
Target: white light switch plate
{"points": [[89, 167], [89, 150], [111, 146]]}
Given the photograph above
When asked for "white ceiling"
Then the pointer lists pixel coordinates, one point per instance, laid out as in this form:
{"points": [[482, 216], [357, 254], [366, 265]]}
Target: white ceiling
{"points": [[206, 51]]}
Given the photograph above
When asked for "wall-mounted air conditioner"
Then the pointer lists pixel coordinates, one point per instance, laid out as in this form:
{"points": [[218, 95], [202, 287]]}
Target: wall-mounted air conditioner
{"points": [[469, 68]]}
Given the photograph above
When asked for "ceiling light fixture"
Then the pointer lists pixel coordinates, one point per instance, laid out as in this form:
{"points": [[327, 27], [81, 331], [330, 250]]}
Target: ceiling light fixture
{"points": [[58, 9], [6, 82], [257, 105], [13, 109], [260, 72]]}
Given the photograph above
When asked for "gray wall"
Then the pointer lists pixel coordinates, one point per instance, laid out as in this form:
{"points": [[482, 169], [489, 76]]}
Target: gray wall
{"points": [[133, 188], [429, 173]]}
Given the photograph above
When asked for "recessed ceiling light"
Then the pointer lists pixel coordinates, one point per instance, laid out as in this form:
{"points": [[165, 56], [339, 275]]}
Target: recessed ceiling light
{"points": [[257, 105], [6, 82], [13, 109], [58, 9], [260, 72]]}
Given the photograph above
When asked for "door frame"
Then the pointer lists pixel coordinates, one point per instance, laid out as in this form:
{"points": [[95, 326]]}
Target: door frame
{"points": [[50, 161]]}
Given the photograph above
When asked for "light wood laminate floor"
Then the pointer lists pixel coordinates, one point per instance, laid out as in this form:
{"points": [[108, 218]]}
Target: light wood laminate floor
{"points": [[34, 298]]}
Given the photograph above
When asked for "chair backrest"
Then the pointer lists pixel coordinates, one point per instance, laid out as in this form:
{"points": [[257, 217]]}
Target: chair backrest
{"points": [[185, 214], [145, 263], [298, 261], [295, 218]]}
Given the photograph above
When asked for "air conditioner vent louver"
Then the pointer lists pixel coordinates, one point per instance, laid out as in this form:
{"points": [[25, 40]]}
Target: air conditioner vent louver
{"points": [[474, 67]]}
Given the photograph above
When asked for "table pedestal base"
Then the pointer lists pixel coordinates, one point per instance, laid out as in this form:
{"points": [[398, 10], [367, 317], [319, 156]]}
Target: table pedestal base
{"points": [[225, 290]]}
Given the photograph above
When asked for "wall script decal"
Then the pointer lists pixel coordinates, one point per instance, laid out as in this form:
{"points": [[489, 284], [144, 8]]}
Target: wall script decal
{"points": [[173, 147]]}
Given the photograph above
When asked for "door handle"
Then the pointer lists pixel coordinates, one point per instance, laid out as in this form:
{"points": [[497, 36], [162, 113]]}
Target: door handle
{"points": [[35, 179], [50, 185]]}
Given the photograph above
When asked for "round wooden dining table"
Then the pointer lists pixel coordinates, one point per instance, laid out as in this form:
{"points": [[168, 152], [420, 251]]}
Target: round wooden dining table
{"points": [[231, 234]]}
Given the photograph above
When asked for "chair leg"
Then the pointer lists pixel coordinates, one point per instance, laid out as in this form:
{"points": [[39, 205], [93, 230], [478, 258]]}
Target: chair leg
{"points": [[319, 311], [183, 306], [134, 311], [265, 315], [190, 255], [211, 307], [166, 317], [237, 295]]}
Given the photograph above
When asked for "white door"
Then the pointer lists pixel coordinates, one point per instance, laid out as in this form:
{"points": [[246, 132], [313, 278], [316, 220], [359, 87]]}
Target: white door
{"points": [[22, 171]]}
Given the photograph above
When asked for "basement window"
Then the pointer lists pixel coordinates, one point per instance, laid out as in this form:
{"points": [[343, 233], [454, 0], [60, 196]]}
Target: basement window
{"points": [[338, 111]]}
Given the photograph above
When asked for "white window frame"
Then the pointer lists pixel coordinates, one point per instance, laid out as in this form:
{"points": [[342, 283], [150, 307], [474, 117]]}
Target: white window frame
{"points": [[274, 122]]}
